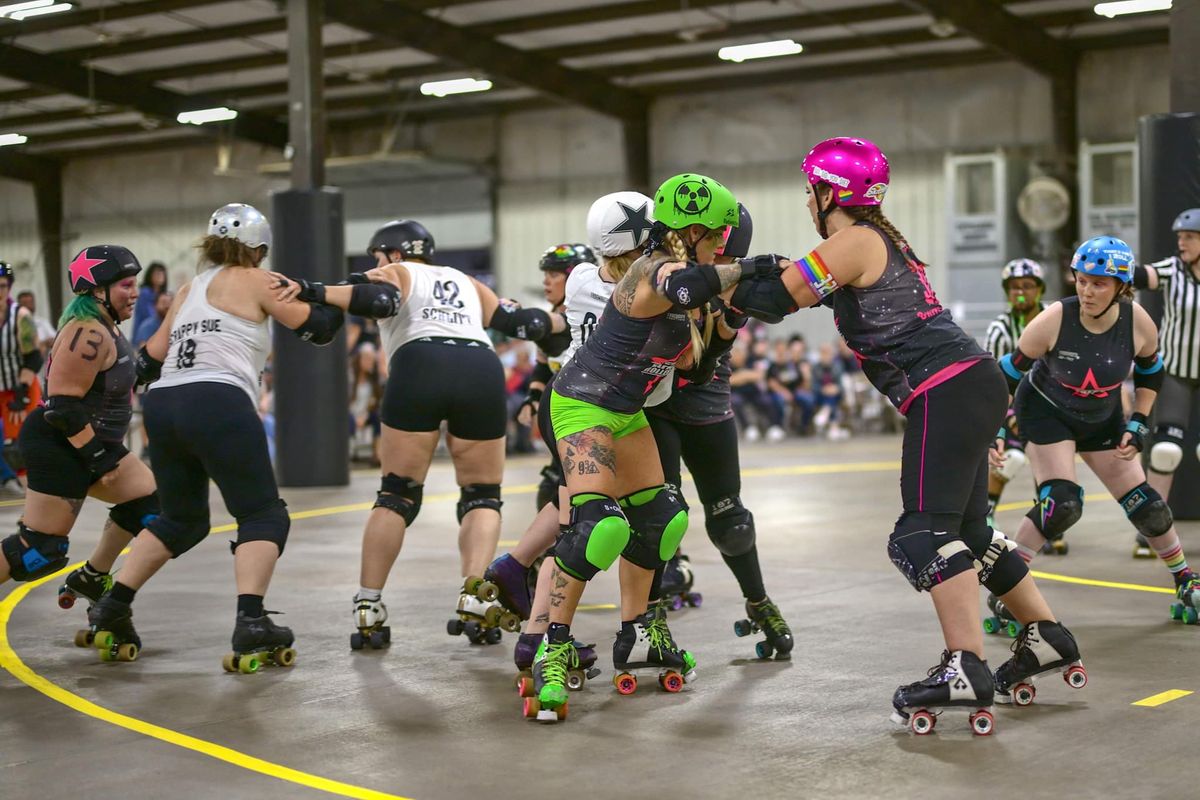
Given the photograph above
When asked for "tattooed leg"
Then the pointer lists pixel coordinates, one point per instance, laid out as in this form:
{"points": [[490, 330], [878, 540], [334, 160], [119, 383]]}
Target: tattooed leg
{"points": [[565, 592]]}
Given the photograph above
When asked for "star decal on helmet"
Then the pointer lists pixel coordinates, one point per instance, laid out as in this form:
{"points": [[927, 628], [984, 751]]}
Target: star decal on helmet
{"points": [[81, 268], [636, 221]]}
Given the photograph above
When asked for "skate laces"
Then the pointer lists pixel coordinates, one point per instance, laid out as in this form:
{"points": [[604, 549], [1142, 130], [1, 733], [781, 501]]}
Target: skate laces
{"points": [[559, 659], [938, 669], [659, 635], [1022, 639], [768, 614]]}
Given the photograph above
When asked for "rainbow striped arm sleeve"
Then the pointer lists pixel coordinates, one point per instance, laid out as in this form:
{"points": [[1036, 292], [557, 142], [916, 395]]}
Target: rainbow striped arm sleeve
{"points": [[817, 275]]}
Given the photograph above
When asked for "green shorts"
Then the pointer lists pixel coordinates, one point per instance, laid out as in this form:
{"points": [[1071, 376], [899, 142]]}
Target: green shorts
{"points": [[569, 416]]}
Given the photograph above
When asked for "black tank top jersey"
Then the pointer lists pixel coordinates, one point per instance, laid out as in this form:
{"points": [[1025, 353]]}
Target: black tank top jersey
{"points": [[556, 343], [699, 403], [110, 398], [1083, 373], [625, 358], [901, 333]]}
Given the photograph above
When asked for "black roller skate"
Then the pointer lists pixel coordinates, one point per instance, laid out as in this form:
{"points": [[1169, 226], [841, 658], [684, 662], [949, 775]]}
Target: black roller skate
{"points": [[1187, 591], [511, 580], [1142, 548], [1055, 547], [764, 616], [1041, 647], [1001, 620], [962, 680], [257, 641], [525, 652], [677, 583], [647, 644], [83, 582], [112, 630], [369, 616], [480, 617], [556, 658]]}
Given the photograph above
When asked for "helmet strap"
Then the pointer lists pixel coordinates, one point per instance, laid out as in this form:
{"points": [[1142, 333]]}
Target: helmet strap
{"points": [[108, 306], [823, 213]]}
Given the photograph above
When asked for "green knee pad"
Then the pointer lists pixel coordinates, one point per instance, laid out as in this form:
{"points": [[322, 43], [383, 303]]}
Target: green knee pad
{"points": [[598, 534], [659, 520]]}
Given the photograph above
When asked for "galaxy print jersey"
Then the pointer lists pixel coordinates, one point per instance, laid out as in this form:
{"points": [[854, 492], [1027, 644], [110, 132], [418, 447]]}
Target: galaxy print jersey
{"points": [[1082, 374]]}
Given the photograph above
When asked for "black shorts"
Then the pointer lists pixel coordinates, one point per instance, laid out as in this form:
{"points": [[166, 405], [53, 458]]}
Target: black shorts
{"points": [[709, 451], [54, 466], [1041, 422], [546, 431], [430, 382]]}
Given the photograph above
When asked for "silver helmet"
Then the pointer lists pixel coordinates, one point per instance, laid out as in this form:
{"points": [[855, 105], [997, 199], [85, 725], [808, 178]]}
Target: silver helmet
{"points": [[1022, 268], [242, 222], [1187, 221], [619, 222]]}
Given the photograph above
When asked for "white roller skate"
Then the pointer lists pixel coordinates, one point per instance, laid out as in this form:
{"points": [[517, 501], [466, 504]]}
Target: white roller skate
{"points": [[1041, 647], [369, 616]]}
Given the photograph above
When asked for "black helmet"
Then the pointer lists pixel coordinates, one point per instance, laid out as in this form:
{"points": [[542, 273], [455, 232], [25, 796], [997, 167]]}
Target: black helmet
{"points": [[565, 257], [6, 271], [406, 236], [737, 245], [101, 265]]}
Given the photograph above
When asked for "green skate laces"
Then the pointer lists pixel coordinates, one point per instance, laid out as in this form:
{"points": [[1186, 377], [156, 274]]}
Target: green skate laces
{"points": [[559, 660], [768, 615], [659, 634]]}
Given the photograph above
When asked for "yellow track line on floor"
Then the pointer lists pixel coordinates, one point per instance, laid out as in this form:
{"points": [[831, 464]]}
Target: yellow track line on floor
{"points": [[1155, 700], [1129, 587]]}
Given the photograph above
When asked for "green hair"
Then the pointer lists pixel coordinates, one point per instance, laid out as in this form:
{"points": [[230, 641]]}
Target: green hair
{"points": [[83, 307]]}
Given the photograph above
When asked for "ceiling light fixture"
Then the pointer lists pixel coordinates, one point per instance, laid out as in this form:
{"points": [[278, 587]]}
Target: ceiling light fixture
{"points": [[220, 114], [455, 86], [744, 52], [12, 138], [33, 8], [1116, 9]]}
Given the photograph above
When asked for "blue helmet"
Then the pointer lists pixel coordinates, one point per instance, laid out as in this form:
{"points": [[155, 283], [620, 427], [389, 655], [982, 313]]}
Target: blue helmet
{"points": [[1105, 255]]}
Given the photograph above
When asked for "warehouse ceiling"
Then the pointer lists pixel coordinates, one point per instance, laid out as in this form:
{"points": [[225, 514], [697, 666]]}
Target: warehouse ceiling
{"points": [[111, 75]]}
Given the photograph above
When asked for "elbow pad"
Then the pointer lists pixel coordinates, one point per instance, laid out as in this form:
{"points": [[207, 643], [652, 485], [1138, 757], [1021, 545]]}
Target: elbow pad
{"points": [[1015, 365], [533, 324], [374, 300], [692, 286], [322, 325], [32, 361], [764, 298], [1148, 372], [147, 367], [1141, 277], [67, 414]]}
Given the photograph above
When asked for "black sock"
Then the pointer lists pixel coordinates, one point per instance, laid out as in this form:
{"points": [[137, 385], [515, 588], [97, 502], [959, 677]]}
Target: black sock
{"points": [[656, 584], [91, 571], [123, 593], [746, 570], [250, 605]]}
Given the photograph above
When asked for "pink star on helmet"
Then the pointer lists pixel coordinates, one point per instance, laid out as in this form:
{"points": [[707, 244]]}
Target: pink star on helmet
{"points": [[81, 268]]}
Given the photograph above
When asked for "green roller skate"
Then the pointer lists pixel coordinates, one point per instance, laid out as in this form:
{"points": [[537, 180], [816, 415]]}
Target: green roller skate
{"points": [[555, 660], [1187, 591]]}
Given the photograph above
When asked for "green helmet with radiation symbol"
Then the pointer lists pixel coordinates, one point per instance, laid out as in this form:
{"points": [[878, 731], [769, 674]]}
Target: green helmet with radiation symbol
{"points": [[689, 198]]}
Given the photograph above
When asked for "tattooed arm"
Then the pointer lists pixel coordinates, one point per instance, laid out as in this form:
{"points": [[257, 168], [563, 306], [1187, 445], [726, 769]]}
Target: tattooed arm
{"points": [[83, 349], [635, 294]]}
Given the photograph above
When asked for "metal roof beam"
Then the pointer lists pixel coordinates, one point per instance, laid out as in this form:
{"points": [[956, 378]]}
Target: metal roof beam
{"points": [[95, 16]]}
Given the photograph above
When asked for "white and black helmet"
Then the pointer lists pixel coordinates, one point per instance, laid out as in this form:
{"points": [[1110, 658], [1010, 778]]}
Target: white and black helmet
{"points": [[242, 222], [406, 236], [619, 222], [1187, 221], [1023, 268]]}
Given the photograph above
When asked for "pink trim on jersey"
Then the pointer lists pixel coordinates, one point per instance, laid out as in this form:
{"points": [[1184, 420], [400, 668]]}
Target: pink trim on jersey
{"points": [[921, 478], [939, 377]]}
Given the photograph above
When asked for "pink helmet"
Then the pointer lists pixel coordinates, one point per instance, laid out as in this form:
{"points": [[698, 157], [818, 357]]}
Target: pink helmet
{"points": [[855, 168]]}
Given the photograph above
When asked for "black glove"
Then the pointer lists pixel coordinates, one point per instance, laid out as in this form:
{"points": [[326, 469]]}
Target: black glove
{"points": [[102, 458], [532, 399], [147, 367], [311, 291], [355, 278], [20, 398], [764, 266], [1138, 430]]}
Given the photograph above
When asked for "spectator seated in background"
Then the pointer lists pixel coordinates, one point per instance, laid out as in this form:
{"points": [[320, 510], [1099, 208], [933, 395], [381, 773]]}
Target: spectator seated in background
{"points": [[152, 322], [753, 404], [366, 394], [827, 385]]}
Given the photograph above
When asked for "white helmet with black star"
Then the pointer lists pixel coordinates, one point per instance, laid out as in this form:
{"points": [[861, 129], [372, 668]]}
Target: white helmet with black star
{"points": [[619, 222]]}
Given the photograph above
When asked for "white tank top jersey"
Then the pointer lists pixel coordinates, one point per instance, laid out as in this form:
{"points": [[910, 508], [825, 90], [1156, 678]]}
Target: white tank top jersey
{"points": [[441, 302], [208, 345]]}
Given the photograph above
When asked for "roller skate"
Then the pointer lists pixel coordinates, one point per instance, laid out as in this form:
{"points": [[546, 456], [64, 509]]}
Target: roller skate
{"points": [[677, 583], [1041, 647], [526, 650], [962, 680], [83, 582], [257, 641], [111, 630], [369, 616], [1142, 548], [764, 616], [1001, 620], [1187, 590], [480, 617], [1055, 547], [647, 645], [512, 584], [556, 658]]}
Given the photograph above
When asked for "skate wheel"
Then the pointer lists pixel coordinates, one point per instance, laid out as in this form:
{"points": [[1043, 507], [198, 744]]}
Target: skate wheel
{"points": [[472, 631], [525, 687], [1062, 548], [103, 640], [248, 665], [356, 641], [561, 712], [510, 622], [1076, 676], [991, 625], [764, 650], [455, 627], [491, 616], [625, 682], [983, 723], [1177, 611], [696, 600], [1013, 629], [376, 640], [229, 663], [83, 638], [742, 628], [386, 630], [284, 656], [530, 708], [1023, 694], [671, 682], [492, 636], [575, 680], [1190, 616], [107, 655], [66, 598], [676, 603], [486, 591], [922, 722]]}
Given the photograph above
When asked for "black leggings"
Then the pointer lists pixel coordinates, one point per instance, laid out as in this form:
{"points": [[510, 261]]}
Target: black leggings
{"points": [[711, 455]]}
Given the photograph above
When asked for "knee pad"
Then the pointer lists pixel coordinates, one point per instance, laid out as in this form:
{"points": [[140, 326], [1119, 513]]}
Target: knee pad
{"points": [[1148, 512], [270, 523], [179, 536], [1014, 460], [927, 549], [32, 554], [136, 514], [1000, 567], [400, 496], [548, 487], [478, 495], [1059, 506], [658, 520], [730, 526], [597, 534], [1167, 452]]}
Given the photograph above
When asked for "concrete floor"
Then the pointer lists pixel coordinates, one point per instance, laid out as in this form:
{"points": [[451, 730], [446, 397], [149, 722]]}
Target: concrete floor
{"points": [[434, 717]]}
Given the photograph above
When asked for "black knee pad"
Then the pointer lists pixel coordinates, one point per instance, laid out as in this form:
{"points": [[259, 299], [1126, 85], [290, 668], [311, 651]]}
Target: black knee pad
{"points": [[597, 534], [478, 495], [13, 457], [401, 496], [136, 514], [730, 526], [32, 554], [928, 550], [179, 536], [999, 565], [548, 487], [1059, 506], [1148, 512], [270, 523], [657, 521]]}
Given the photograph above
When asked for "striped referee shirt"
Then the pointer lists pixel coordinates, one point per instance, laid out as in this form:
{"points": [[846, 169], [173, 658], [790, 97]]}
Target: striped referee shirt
{"points": [[10, 350], [1003, 333], [1181, 307]]}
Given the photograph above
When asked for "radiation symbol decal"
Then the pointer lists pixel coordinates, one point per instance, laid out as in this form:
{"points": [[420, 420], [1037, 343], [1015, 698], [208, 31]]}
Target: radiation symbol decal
{"points": [[692, 198]]}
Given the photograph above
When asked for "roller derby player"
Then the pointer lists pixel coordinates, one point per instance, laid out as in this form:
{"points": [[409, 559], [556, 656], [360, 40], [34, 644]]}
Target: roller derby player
{"points": [[950, 390], [696, 424], [1066, 374], [72, 446], [204, 366]]}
